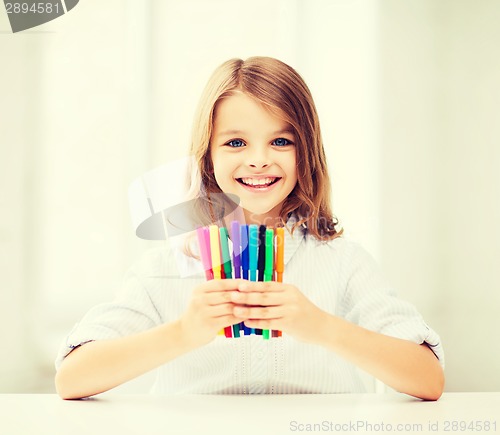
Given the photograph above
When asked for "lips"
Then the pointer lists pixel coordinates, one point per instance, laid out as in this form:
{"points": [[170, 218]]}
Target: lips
{"points": [[258, 183]]}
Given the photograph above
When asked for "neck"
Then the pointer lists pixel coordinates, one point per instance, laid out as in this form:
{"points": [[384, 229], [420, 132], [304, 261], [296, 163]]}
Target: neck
{"points": [[270, 219], [249, 218], [243, 216]]}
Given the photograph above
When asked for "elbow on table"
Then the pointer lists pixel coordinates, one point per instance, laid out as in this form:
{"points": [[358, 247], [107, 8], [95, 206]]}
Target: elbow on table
{"points": [[61, 387], [64, 388], [435, 388]]}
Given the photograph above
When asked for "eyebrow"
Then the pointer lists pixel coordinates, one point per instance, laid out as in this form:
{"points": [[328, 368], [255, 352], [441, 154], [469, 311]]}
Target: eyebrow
{"points": [[233, 132]]}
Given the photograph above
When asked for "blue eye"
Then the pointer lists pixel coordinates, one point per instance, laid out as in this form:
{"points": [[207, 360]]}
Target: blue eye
{"points": [[235, 143], [281, 142]]}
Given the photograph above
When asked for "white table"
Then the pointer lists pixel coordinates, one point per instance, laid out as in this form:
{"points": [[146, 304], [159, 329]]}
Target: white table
{"points": [[241, 415]]}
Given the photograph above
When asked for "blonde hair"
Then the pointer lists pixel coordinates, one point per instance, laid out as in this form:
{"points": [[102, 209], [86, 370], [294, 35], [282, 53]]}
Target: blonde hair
{"points": [[282, 91]]}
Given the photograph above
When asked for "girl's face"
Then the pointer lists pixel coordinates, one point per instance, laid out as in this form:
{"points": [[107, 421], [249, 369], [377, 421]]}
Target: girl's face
{"points": [[253, 156]]}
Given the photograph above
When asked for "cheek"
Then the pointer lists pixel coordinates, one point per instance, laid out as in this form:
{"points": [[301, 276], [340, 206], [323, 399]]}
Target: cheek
{"points": [[223, 169], [292, 181], [225, 162], [217, 164], [292, 171], [218, 176]]}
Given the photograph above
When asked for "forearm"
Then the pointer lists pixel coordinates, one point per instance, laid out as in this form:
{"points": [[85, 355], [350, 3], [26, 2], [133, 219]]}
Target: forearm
{"points": [[403, 365], [101, 365]]}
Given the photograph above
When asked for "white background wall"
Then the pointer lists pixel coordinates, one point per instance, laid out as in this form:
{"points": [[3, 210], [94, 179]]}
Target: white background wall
{"points": [[407, 93], [440, 184]]}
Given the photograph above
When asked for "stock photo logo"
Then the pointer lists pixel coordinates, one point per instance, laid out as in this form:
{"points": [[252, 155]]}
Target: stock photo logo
{"points": [[26, 14]]}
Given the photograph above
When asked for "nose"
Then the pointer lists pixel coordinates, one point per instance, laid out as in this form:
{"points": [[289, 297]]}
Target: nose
{"points": [[259, 157]]}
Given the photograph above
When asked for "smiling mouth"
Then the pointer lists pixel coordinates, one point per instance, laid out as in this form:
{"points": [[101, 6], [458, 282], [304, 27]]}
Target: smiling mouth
{"points": [[258, 183]]}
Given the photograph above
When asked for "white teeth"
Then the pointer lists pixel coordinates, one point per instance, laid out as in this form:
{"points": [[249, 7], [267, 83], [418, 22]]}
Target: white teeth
{"points": [[259, 182]]}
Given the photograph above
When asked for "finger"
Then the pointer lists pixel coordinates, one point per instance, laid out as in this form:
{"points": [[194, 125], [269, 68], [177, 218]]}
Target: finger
{"points": [[220, 310], [224, 321], [244, 312], [215, 285], [217, 322], [257, 298], [276, 324], [261, 286], [217, 298]]}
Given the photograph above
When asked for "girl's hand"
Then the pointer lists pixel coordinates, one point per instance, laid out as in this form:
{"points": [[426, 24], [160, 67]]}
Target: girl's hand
{"points": [[279, 306], [209, 311]]}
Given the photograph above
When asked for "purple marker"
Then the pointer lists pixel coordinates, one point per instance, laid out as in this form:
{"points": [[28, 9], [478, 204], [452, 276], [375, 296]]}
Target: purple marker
{"points": [[235, 236], [244, 250]]}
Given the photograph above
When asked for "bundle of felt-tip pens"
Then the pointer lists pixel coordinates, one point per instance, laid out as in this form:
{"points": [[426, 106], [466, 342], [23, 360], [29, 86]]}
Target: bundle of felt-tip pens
{"points": [[257, 255]]}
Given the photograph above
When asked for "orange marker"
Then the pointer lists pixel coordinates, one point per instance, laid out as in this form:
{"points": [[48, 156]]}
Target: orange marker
{"points": [[280, 253], [280, 259]]}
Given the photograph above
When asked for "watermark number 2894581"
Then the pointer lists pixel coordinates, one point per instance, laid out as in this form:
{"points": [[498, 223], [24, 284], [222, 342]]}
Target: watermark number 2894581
{"points": [[26, 14]]}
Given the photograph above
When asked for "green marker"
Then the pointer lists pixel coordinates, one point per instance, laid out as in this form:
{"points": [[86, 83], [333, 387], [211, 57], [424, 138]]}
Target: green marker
{"points": [[226, 259], [269, 266], [227, 267]]}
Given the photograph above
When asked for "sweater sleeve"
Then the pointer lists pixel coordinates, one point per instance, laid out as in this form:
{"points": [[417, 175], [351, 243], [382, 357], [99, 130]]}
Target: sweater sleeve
{"points": [[133, 310], [370, 302]]}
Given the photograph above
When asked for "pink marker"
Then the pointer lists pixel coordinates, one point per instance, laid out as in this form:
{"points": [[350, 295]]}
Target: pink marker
{"points": [[204, 244]]}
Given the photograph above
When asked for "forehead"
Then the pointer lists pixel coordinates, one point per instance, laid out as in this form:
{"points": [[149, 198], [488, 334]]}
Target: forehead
{"points": [[241, 111]]}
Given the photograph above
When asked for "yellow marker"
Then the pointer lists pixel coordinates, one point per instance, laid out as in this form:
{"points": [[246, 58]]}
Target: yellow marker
{"points": [[215, 254]]}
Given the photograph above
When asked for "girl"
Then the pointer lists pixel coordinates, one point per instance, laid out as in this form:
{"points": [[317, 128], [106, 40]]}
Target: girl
{"points": [[257, 136]]}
